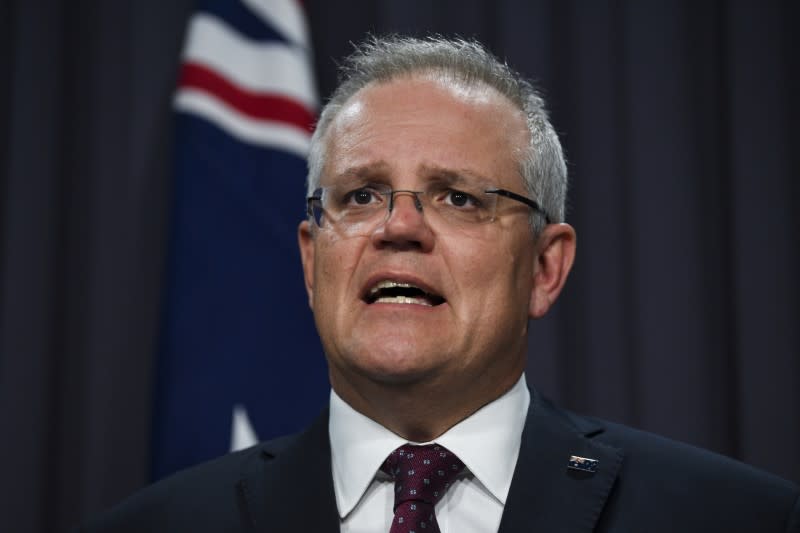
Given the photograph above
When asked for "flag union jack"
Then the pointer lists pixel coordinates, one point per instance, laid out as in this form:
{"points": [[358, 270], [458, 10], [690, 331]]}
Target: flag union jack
{"points": [[246, 68]]}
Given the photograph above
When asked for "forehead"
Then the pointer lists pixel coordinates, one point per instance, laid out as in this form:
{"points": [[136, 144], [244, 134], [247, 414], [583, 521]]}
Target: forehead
{"points": [[411, 126]]}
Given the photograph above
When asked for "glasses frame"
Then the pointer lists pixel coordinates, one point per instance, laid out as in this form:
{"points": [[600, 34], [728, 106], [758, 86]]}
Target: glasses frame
{"points": [[524, 199], [317, 196]]}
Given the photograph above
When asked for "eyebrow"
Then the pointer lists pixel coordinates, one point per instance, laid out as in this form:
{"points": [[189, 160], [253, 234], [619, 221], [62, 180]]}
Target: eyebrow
{"points": [[379, 171], [454, 177], [370, 170]]}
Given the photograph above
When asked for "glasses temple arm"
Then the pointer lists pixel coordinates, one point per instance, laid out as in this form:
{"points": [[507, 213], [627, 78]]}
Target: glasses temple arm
{"points": [[525, 200]]}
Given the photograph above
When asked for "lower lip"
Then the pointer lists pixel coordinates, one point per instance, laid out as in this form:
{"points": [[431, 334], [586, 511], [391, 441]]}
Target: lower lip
{"points": [[406, 306]]}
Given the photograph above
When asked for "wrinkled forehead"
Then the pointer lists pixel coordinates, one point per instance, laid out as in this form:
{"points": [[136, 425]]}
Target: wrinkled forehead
{"points": [[447, 122]]}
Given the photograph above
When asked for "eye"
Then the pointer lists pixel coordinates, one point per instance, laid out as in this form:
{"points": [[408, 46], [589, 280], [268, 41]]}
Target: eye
{"points": [[362, 196], [460, 199]]}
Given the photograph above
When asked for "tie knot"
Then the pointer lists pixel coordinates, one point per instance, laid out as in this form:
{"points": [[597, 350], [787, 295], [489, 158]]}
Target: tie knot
{"points": [[421, 473]]}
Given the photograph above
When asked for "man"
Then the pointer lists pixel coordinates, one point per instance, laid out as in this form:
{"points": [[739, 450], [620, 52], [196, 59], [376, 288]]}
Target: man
{"points": [[435, 231]]}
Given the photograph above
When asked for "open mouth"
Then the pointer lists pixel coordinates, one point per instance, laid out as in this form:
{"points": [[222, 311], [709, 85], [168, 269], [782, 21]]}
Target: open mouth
{"points": [[396, 292]]}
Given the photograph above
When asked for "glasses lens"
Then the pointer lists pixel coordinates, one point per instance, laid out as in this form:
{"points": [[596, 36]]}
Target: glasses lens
{"points": [[351, 210], [461, 206]]}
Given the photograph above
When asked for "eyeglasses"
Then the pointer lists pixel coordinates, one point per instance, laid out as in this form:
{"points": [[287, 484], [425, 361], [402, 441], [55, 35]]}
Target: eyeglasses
{"points": [[359, 210]]}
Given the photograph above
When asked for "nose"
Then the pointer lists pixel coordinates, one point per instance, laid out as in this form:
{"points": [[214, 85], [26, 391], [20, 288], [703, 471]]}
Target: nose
{"points": [[405, 227]]}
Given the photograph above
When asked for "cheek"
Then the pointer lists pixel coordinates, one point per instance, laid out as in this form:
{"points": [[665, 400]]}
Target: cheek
{"points": [[475, 271], [515, 254], [495, 273], [335, 264]]}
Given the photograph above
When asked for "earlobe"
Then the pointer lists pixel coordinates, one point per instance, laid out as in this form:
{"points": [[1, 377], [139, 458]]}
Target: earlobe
{"points": [[305, 241], [555, 254]]}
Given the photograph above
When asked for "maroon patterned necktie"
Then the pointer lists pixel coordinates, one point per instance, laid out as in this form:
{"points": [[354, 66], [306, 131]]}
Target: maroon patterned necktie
{"points": [[421, 475]]}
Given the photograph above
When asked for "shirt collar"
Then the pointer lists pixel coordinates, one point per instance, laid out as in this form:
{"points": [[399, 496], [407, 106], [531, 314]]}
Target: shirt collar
{"points": [[487, 442]]}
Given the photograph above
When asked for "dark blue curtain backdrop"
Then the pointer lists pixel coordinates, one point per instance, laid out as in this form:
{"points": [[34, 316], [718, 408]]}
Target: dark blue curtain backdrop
{"points": [[679, 120]]}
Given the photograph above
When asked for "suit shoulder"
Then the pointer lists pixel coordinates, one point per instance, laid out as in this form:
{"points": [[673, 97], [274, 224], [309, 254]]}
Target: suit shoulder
{"points": [[655, 453], [660, 454], [689, 484], [204, 494]]}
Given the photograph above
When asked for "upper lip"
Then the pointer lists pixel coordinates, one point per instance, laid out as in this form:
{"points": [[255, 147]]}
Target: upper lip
{"points": [[404, 279]]}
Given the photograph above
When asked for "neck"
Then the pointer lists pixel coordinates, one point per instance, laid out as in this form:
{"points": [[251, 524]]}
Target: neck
{"points": [[422, 410]]}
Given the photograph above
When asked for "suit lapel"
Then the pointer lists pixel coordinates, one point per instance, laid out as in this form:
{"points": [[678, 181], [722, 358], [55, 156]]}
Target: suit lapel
{"points": [[290, 486], [291, 489], [547, 496]]}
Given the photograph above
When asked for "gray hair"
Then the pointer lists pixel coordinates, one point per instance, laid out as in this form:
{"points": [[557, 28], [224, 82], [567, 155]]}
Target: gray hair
{"points": [[382, 59]]}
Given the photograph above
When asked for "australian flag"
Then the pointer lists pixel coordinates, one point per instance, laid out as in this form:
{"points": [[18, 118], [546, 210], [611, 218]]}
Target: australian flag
{"points": [[239, 358]]}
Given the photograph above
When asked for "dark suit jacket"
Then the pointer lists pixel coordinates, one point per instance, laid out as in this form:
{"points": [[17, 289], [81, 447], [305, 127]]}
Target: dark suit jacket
{"points": [[643, 483]]}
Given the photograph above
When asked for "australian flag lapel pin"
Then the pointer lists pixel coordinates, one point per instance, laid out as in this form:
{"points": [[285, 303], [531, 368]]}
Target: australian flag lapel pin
{"points": [[582, 464]]}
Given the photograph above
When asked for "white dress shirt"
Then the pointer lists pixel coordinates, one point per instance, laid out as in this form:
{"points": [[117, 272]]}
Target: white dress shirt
{"points": [[487, 442]]}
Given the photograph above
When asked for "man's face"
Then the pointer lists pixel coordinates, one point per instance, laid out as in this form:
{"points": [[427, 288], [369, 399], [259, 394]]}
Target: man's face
{"points": [[404, 134]]}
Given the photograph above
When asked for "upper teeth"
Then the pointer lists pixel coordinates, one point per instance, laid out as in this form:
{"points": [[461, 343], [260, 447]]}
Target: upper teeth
{"points": [[386, 284]]}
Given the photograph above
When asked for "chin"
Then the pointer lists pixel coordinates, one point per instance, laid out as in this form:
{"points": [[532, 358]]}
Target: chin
{"points": [[397, 366], [403, 377]]}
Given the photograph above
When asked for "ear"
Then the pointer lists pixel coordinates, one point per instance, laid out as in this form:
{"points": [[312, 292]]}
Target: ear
{"points": [[306, 242], [555, 253]]}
